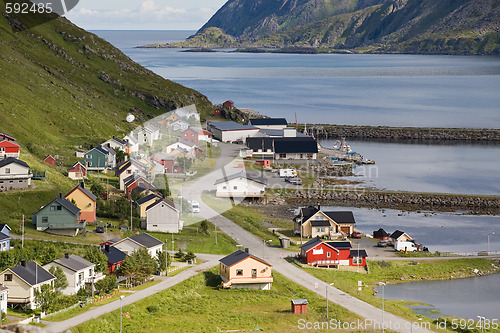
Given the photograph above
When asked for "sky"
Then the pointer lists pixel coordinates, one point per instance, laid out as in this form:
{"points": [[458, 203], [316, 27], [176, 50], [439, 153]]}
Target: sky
{"points": [[143, 14]]}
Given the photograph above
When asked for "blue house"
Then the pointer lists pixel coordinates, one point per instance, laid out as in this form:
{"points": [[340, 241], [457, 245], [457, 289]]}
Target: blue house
{"points": [[4, 237], [59, 217], [97, 159]]}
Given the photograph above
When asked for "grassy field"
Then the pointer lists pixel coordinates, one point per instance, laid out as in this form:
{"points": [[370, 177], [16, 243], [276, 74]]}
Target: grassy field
{"points": [[198, 305], [396, 272]]}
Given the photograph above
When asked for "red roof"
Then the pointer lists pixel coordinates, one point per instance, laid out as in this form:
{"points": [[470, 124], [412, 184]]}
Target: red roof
{"points": [[10, 144]]}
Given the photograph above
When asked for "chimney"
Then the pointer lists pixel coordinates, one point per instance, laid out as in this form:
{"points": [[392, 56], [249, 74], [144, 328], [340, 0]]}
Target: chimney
{"points": [[66, 255], [319, 206], [60, 194], [247, 250], [82, 185], [23, 263], [106, 247]]}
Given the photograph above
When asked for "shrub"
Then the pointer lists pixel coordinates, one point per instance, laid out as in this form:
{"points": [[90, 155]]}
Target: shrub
{"points": [[152, 309]]}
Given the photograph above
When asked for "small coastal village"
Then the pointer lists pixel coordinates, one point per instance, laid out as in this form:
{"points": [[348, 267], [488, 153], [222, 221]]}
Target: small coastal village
{"points": [[140, 171]]}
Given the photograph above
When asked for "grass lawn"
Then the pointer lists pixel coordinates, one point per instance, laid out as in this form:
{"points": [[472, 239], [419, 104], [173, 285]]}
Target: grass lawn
{"points": [[198, 305], [394, 272]]}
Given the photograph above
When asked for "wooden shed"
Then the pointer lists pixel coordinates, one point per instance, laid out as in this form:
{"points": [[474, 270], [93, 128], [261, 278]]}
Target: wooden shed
{"points": [[266, 163], [299, 305]]}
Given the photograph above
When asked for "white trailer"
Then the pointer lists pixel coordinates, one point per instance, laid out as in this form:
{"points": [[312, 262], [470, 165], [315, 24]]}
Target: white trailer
{"points": [[405, 246], [287, 173]]}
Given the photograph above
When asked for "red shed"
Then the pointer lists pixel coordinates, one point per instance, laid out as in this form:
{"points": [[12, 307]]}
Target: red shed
{"points": [[381, 234], [50, 160], [357, 258], [228, 104], [299, 305], [217, 112], [266, 163]]}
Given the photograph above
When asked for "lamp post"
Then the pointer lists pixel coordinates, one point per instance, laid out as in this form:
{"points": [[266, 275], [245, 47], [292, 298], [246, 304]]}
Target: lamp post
{"points": [[491, 233], [131, 213], [331, 284], [166, 258], [121, 315], [480, 324], [383, 300]]}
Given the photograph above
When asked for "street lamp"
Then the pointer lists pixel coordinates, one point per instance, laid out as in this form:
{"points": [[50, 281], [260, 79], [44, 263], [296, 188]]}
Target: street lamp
{"points": [[121, 299], [166, 258], [383, 300], [491, 233], [480, 317], [131, 213], [331, 284]]}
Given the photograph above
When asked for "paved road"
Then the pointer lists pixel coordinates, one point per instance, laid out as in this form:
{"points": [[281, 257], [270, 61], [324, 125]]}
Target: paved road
{"points": [[210, 261]]}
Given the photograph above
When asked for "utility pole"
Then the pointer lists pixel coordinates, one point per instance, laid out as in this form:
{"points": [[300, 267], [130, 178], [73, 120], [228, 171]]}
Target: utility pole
{"points": [[131, 211]]}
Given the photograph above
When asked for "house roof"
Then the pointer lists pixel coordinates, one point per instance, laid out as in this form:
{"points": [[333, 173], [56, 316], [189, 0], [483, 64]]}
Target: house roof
{"points": [[231, 126], [322, 223], [3, 236], [295, 145], [65, 203], [267, 121], [74, 262], [108, 148], [32, 273], [99, 149], [396, 234], [3, 225], [5, 135], [49, 157], [311, 243], [119, 141], [358, 253], [300, 301], [169, 203], [77, 165], [114, 255], [146, 199], [238, 256], [337, 216], [10, 160], [7, 143], [84, 190], [242, 174], [146, 240], [341, 245], [380, 233]]}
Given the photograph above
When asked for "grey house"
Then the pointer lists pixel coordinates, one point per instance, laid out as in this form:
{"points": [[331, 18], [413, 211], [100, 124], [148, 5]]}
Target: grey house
{"points": [[163, 216], [59, 217]]}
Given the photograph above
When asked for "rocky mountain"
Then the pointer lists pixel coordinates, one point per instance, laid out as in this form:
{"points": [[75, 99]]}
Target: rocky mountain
{"points": [[409, 26]]}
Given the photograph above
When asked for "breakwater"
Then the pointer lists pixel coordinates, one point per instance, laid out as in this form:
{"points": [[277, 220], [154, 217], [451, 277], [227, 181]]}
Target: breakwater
{"points": [[402, 201], [325, 131]]}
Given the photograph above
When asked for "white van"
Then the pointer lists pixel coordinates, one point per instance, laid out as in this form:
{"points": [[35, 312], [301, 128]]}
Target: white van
{"points": [[287, 173], [405, 246], [195, 206]]}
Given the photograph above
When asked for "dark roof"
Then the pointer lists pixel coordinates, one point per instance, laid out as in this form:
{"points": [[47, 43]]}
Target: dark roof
{"points": [[169, 203], [230, 126], [380, 233], [313, 242], [243, 175], [341, 217], [238, 256], [358, 253], [73, 262], [5, 135], [120, 141], [3, 236], [10, 160], [146, 240], [122, 167], [322, 223], [267, 121], [295, 145], [65, 203], [147, 198], [396, 234], [341, 245], [3, 225], [84, 190], [27, 273], [114, 255]]}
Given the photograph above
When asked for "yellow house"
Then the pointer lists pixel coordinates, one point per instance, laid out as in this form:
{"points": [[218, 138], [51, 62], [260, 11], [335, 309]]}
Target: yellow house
{"points": [[145, 202], [22, 281], [85, 200], [241, 270], [312, 221]]}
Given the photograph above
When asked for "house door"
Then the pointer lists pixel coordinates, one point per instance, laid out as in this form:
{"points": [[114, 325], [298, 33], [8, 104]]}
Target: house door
{"points": [[254, 273]]}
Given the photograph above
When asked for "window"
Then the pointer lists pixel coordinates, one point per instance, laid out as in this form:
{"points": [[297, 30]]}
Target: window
{"points": [[59, 208], [80, 277], [318, 217], [7, 170], [235, 187], [282, 155], [254, 272], [328, 254], [45, 219], [320, 229], [224, 187], [239, 272], [357, 260], [8, 277], [52, 208]]}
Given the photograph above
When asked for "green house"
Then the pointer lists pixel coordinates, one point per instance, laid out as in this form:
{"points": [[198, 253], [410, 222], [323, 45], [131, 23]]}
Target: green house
{"points": [[96, 159], [59, 217]]}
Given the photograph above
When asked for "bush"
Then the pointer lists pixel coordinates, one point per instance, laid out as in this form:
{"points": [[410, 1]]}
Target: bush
{"points": [[152, 309]]}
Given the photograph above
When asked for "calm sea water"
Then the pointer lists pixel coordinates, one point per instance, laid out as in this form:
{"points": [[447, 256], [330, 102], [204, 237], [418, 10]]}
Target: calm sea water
{"points": [[395, 90]]}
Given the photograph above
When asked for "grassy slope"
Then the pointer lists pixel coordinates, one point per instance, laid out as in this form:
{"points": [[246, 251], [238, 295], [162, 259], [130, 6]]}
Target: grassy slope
{"points": [[199, 298]]}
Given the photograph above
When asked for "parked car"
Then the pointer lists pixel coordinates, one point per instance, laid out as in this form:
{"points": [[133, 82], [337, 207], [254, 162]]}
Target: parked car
{"points": [[382, 244], [99, 229], [295, 181], [356, 234], [195, 206]]}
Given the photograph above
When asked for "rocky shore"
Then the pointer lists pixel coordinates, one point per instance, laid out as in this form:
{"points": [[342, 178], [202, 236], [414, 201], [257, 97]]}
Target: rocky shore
{"points": [[401, 201], [403, 133]]}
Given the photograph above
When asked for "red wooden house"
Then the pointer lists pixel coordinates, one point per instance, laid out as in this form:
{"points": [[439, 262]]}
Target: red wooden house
{"points": [[190, 135], [228, 104], [134, 182], [217, 112], [78, 171], [318, 252], [50, 160], [381, 234], [115, 257], [9, 149]]}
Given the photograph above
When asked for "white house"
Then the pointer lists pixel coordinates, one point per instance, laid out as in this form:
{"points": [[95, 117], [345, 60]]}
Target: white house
{"points": [[78, 271], [117, 144], [14, 174], [148, 135], [163, 216], [4, 237], [179, 125], [240, 185], [182, 145], [22, 280], [4, 293], [188, 113], [127, 169], [229, 131], [136, 242], [132, 142]]}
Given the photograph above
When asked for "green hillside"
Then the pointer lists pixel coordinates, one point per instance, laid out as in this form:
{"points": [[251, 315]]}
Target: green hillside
{"points": [[62, 86], [405, 26]]}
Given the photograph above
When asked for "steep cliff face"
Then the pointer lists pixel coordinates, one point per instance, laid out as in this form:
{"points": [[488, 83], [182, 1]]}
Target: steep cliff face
{"points": [[414, 26]]}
